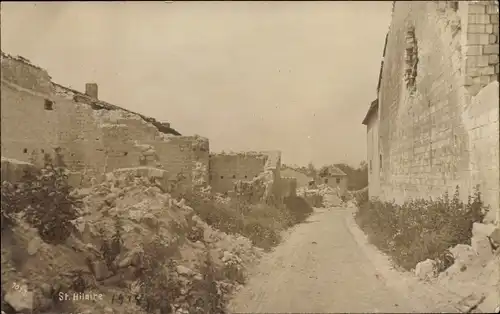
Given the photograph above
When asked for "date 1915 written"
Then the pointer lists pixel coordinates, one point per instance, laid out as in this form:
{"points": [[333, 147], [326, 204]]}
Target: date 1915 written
{"points": [[120, 298], [138, 299]]}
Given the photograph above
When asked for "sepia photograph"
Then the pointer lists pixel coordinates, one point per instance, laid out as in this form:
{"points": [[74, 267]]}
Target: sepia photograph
{"points": [[220, 157]]}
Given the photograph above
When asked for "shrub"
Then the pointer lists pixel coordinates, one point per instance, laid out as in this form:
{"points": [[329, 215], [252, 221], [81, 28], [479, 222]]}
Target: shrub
{"points": [[234, 272], [420, 229], [46, 200], [111, 248], [10, 206], [298, 207], [158, 283], [261, 223], [207, 295], [361, 197], [161, 287], [117, 238]]}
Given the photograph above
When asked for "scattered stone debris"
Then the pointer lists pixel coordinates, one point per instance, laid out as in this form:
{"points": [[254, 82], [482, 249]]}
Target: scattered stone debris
{"points": [[135, 197], [474, 274], [321, 196]]}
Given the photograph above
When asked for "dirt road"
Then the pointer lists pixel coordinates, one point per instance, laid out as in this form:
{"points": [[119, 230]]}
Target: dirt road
{"points": [[318, 268]]}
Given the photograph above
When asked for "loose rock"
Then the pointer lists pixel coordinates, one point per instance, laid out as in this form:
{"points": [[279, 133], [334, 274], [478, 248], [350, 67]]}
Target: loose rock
{"points": [[426, 269], [184, 271]]}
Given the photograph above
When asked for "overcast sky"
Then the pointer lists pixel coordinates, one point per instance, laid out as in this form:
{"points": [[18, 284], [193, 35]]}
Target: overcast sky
{"points": [[294, 76]]}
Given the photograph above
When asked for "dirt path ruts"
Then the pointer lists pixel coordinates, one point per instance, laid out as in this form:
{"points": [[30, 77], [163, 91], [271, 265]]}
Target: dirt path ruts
{"points": [[318, 268]]}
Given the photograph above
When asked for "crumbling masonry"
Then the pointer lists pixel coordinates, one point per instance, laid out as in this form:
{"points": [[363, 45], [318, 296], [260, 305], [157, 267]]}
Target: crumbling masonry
{"points": [[40, 117], [435, 122]]}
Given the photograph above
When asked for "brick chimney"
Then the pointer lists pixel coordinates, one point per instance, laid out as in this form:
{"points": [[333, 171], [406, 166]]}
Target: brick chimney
{"points": [[91, 90]]}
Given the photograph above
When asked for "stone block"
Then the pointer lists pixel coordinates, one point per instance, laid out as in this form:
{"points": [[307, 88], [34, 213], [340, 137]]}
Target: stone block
{"points": [[477, 61], [482, 230], [495, 236], [492, 9], [476, 28], [494, 19], [426, 270], [473, 50], [490, 28], [474, 8], [493, 39], [484, 80], [479, 18], [21, 301], [478, 39], [482, 247], [493, 60], [490, 49]]}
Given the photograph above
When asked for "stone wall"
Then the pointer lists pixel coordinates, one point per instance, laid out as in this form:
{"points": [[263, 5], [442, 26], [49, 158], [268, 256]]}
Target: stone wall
{"points": [[289, 187], [373, 156], [14, 170], [40, 117], [480, 119], [302, 178], [228, 168], [255, 174], [437, 129]]}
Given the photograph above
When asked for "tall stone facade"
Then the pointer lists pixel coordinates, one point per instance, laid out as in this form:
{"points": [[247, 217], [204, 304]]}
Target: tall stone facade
{"points": [[436, 124]]}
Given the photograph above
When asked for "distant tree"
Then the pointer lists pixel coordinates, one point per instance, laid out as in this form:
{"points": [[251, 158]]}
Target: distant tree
{"points": [[357, 177], [311, 170], [323, 171]]}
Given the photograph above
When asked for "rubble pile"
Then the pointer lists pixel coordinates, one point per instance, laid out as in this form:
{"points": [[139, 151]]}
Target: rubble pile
{"points": [[134, 205], [475, 272], [321, 196], [331, 196], [311, 196]]}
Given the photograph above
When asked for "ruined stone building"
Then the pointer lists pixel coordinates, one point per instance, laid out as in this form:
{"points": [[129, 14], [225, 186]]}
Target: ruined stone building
{"points": [[256, 174], [94, 137], [435, 122], [334, 177]]}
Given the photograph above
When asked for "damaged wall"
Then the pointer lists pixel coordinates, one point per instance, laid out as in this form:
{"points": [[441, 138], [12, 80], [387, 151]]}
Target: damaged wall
{"points": [[256, 174], [438, 128], [93, 137], [228, 168], [302, 178], [289, 186]]}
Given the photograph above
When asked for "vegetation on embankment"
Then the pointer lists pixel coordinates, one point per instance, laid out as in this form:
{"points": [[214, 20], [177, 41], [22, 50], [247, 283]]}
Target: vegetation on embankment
{"points": [[419, 229], [260, 223], [121, 238]]}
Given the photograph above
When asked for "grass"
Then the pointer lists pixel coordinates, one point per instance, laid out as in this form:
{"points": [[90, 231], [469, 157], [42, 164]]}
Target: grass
{"points": [[420, 229], [261, 223]]}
